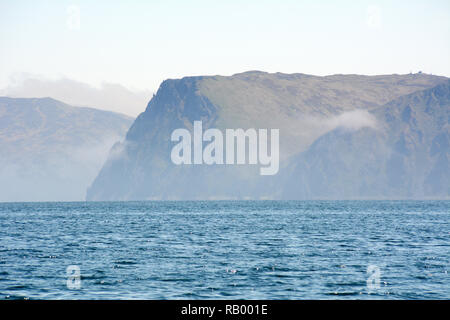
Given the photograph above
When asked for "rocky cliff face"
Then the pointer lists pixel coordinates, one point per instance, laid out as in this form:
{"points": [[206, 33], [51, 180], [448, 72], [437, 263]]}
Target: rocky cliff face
{"points": [[303, 107], [406, 155], [51, 151]]}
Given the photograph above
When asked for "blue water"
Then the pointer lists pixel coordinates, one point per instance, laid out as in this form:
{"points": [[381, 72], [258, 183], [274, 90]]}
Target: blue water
{"points": [[226, 250]]}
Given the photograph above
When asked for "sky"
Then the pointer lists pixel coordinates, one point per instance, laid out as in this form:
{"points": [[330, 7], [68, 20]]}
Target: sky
{"points": [[137, 44]]}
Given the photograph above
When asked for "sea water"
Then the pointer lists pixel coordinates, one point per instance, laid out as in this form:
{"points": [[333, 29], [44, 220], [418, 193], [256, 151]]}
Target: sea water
{"points": [[225, 250]]}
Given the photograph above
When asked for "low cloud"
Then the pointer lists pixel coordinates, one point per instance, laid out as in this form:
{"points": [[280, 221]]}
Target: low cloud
{"points": [[109, 96], [303, 131], [352, 120]]}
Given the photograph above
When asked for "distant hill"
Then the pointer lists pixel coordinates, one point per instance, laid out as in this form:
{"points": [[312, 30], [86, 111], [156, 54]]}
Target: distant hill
{"points": [[52, 151], [303, 107]]}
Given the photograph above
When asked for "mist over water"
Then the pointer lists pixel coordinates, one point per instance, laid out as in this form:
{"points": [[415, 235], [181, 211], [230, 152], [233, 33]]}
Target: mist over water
{"points": [[61, 176], [226, 250]]}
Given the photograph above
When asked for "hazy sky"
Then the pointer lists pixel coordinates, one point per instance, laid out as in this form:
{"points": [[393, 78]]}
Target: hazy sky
{"points": [[138, 44]]}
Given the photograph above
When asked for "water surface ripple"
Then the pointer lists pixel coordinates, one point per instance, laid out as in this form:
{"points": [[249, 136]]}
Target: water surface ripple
{"points": [[226, 249]]}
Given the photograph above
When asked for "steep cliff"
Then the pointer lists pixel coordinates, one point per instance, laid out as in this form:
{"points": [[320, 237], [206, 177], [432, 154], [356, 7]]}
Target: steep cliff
{"points": [[303, 107]]}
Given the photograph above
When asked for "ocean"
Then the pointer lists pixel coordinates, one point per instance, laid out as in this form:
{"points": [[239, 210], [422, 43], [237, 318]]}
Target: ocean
{"points": [[225, 250]]}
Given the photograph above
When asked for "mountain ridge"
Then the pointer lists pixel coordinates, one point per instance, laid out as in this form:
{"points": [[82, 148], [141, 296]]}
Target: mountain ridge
{"points": [[50, 150]]}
